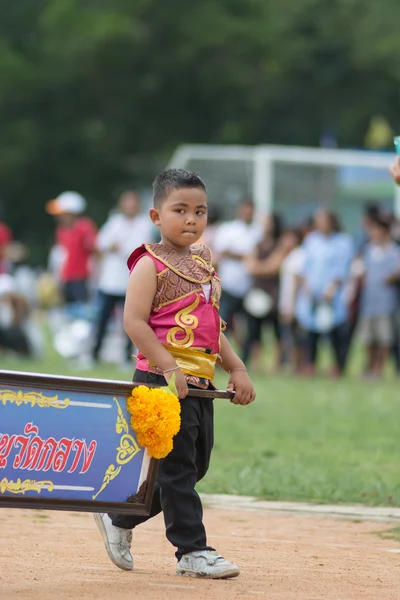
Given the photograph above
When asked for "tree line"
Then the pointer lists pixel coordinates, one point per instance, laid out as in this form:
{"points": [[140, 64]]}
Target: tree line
{"points": [[96, 94]]}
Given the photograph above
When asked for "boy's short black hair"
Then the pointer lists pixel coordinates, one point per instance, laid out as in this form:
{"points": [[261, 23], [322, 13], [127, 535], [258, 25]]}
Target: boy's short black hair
{"points": [[174, 179]]}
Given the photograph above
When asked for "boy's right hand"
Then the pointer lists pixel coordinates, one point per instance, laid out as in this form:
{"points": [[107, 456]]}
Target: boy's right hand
{"points": [[180, 382]]}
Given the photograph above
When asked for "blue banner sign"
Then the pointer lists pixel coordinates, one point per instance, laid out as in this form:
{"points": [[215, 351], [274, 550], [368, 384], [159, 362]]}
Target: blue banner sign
{"points": [[67, 443]]}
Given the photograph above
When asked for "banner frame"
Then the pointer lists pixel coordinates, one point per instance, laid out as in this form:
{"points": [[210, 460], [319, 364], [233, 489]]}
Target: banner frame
{"points": [[139, 503]]}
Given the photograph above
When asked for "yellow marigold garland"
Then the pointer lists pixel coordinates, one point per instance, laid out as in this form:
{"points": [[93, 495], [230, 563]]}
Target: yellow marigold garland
{"points": [[155, 417]]}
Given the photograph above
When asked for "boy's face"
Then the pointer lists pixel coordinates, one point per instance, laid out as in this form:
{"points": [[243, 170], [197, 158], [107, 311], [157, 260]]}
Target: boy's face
{"points": [[182, 217]]}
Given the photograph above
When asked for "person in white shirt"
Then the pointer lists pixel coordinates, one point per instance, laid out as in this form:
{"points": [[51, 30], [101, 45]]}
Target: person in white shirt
{"points": [[14, 312], [264, 265], [290, 273], [234, 241], [119, 236], [291, 269]]}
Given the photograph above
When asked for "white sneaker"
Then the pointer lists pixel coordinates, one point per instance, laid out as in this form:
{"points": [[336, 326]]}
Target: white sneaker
{"points": [[207, 564], [117, 541]]}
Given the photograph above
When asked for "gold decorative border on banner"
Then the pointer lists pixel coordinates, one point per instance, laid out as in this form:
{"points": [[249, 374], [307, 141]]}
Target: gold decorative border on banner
{"points": [[127, 449], [20, 487], [32, 398]]}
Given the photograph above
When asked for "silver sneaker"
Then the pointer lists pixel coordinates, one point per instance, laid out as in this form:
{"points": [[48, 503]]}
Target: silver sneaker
{"points": [[117, 541], [207, 564]]}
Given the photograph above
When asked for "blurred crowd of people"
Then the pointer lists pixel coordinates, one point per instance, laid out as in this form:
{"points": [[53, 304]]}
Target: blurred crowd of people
{"points": [[83, 286], [308, 284], [300, 285]]}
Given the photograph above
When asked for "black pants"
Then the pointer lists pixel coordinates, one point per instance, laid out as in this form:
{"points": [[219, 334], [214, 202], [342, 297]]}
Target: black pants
{"points": [[178, 473], [338, 337], [291, 338], [14, 338], [76, 291], [254, 332], [108, 302], [230, 307], [352, 329], [395, 350]]}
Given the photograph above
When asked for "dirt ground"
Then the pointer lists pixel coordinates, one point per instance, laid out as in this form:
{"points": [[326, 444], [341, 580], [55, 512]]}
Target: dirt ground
{"points": [[55, 555]]}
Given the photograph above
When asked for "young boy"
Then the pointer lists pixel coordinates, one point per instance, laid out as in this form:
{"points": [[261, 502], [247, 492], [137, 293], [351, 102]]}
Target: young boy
{"points": [[171, 316]]}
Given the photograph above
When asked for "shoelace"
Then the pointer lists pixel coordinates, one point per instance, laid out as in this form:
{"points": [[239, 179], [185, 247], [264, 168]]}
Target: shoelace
{"points": [[215, 557], [126, 541]]}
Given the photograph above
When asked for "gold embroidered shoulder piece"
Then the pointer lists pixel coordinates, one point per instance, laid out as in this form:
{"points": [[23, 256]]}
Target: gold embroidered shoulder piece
{"points": [[177, 280], [197, 267]]}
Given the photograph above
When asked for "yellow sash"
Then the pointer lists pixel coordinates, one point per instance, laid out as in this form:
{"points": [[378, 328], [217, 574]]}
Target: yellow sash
{"points": [[194, 362]]}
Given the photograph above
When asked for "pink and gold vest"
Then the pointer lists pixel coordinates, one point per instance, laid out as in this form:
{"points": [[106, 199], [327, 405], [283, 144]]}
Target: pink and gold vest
{"points": [[185, 322]]}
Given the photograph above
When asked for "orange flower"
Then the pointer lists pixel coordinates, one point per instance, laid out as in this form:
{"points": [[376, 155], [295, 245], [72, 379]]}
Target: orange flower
{"points": [[155, 417]]}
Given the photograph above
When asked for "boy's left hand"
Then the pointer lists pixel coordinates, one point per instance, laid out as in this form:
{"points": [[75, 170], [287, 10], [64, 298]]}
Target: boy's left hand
{"points": [[239, 382]]}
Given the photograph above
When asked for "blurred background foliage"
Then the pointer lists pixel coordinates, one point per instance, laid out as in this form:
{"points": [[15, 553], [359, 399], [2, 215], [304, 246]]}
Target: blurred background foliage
{"points": [[96, 94]]}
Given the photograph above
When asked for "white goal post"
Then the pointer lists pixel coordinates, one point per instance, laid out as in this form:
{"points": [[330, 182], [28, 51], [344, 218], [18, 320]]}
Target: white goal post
{"points": [[292, 180]]}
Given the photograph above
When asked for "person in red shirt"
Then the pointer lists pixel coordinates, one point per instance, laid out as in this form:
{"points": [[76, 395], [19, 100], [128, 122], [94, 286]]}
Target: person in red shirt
{"points": [[76, 235], [6, 237]]}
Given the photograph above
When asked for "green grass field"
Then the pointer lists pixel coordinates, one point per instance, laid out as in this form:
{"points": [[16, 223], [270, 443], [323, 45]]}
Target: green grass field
{"points": [[325, 441]]}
